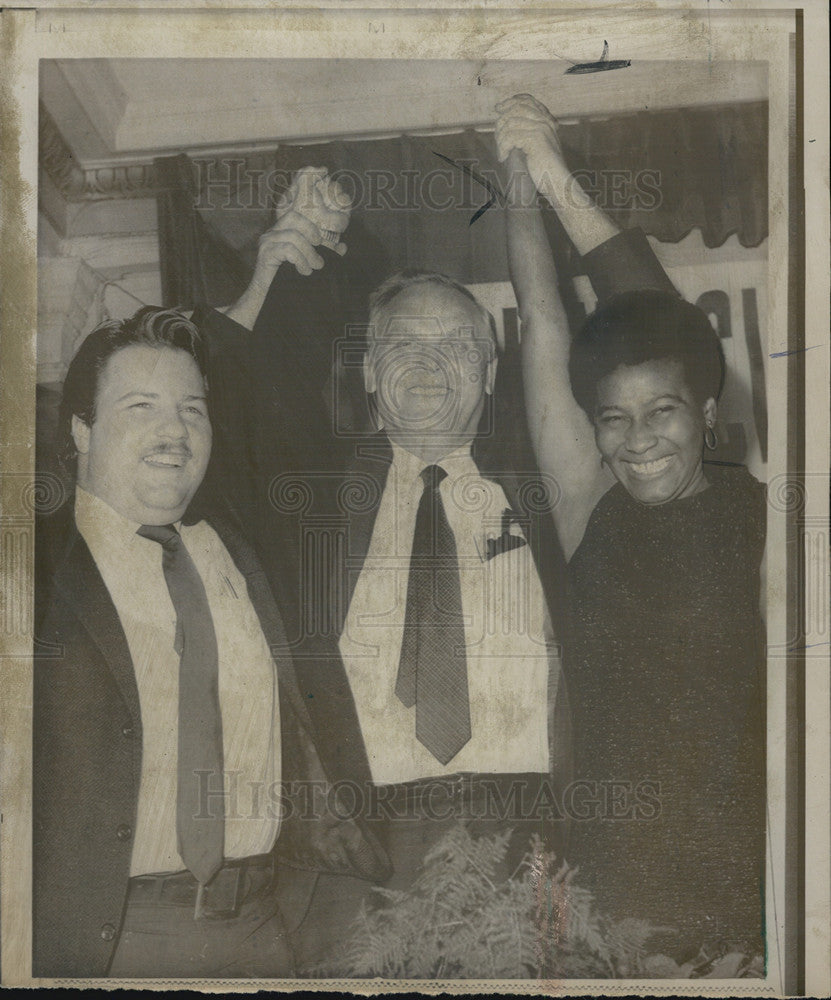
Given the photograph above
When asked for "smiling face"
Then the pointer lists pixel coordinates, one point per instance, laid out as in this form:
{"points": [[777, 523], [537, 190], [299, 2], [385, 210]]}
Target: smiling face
{"points": [[649, 429], [147, 448], [430, 365]]}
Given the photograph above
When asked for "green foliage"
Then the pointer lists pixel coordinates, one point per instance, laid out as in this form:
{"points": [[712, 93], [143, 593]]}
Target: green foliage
{"points": [[459, 921]]}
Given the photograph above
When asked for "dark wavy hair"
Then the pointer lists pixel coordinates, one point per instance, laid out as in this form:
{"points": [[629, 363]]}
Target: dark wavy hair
{"points": [[642, 326], [151, 327]]}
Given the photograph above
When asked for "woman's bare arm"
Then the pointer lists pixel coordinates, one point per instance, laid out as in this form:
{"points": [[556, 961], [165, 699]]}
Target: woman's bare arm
{"points": [[562, 434]]}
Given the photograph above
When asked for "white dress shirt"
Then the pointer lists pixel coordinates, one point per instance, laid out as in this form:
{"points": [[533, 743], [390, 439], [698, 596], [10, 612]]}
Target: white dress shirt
{"points": [[507, 632], [131, 567]]}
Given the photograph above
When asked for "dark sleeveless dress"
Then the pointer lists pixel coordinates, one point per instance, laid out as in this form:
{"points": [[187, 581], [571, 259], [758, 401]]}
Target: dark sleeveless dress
{"points": [[666, 667]]}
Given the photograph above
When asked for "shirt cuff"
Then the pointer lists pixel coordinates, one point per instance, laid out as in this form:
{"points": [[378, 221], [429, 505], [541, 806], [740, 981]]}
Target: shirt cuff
{"points": [[625, 263]]}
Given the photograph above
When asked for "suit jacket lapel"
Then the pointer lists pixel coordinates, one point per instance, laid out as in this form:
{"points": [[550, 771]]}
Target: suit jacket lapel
{"points": [[525, 494], [365, 481], [82, 587], [259, 593]]}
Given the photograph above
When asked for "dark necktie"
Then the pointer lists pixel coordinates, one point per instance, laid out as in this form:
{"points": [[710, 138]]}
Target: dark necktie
{"points": [[200, 821], [432, 672]]}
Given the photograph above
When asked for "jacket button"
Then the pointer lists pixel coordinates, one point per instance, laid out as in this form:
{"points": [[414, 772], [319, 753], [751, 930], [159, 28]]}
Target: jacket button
{"points": [[108, 931], [124, 832], [128, 731]]}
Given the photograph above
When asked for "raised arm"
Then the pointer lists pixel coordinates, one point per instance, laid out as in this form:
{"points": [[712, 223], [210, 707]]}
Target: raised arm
{"points": [[314, 204], [270, 353], [562, 434]]}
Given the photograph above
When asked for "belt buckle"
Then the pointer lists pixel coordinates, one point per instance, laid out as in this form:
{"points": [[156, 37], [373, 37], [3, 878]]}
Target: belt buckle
{"points": [[222, 897]]}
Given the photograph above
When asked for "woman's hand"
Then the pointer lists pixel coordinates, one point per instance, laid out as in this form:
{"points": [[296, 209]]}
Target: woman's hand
{"points": [[526, 125]]}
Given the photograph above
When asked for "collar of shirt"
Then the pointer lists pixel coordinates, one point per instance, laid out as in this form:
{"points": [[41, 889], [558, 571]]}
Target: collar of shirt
{"points": [[472, 503], [129, 564], [456, 463], [102, 527], [99, 523]]}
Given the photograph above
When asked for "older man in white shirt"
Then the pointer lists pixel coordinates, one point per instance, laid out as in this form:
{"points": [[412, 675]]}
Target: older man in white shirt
{"points": [[448, 641], [443, 585]]}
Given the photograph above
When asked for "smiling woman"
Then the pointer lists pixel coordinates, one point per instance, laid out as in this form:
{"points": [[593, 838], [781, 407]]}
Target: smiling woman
{"points": [[647, 369], [665, 652], [649, 431], [667, 647]]}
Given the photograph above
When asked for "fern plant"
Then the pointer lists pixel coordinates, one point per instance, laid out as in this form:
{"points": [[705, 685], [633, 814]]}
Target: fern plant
{"points": [[459, 921]]}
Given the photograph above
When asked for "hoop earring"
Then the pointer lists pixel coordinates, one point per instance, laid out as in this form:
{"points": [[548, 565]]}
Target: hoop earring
{"points": [[710, 439]]}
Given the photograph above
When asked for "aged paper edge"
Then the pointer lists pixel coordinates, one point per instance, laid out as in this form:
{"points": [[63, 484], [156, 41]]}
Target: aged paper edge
{"points": [[59, 28]]}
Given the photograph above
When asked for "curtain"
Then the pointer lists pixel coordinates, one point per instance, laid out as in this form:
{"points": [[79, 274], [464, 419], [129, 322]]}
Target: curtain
{"points": [[671, 171], [198, 265], [416, 205], [664, 171]]}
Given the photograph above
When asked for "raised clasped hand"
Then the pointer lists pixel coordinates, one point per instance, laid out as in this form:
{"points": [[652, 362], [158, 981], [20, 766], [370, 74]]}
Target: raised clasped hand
{"points": [[320, 199], [528, 126], [313, 212]]}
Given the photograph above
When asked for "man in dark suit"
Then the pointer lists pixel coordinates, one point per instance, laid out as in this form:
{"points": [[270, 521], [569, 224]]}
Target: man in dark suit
{"points": [[173, 751]]}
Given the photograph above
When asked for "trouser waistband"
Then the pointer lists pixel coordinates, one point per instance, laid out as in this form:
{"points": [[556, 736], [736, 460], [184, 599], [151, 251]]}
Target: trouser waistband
{"points": [[235, 882]]}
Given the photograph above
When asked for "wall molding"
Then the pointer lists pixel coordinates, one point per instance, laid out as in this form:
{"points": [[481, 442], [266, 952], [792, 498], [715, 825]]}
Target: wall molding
{"points": [[79, 183], [127, 178]]}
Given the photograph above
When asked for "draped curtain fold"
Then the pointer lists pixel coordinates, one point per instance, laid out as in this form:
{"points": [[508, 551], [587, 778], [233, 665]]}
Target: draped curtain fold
{"points": [[668, 172], [198, 265]]}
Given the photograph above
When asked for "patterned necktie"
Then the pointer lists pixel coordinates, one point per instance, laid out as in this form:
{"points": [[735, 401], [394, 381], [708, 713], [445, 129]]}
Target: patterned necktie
{"points": [[200, 823], [432, 672]]}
